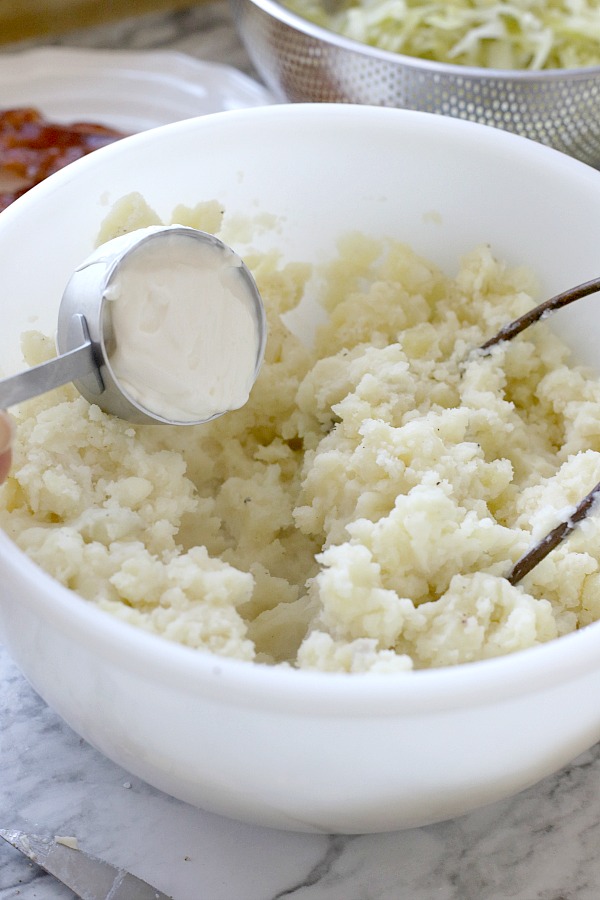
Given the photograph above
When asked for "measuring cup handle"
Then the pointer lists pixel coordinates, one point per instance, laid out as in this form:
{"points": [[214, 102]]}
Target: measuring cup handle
{"points": [[54, 373]]}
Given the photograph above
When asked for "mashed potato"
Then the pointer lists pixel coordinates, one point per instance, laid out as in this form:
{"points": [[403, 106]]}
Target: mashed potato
{"points": [[361, 512]]}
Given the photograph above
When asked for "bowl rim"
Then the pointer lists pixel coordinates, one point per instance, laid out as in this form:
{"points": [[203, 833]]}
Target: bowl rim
{"points": [[250, 684], [310, 29]]}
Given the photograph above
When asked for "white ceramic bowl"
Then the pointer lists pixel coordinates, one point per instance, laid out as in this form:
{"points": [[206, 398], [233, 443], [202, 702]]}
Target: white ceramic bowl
{"points": [[293, 749]]}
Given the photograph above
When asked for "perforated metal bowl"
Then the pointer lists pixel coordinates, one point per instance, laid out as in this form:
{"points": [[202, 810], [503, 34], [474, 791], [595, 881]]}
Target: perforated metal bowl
{"points": [[300, 62]]}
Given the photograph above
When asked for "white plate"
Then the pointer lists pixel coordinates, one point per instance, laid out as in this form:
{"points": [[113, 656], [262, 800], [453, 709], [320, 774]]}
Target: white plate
{"points": [[127, 90]]}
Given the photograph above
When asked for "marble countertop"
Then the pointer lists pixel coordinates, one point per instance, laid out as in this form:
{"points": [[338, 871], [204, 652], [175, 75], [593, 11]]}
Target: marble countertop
{"points": [[541, 845]]}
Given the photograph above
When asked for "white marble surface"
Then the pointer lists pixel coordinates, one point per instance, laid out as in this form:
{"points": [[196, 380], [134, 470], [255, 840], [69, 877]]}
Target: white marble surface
{"points": [[540, 845]]}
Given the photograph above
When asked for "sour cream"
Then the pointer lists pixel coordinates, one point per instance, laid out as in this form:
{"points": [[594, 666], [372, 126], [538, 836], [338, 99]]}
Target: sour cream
{"points": [[186, 333]]}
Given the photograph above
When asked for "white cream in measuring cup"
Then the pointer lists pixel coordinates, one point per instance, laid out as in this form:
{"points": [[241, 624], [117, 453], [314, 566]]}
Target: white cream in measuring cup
{"points": [[186, 334], [165, 324]]}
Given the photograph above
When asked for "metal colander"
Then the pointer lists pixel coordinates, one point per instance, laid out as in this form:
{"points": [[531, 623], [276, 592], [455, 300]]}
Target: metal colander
{"points": [[301, 62]]}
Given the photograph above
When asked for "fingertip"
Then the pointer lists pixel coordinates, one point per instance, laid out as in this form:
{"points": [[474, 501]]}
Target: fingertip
{"points": [[6, 432], [6, 438], [5, 463]]}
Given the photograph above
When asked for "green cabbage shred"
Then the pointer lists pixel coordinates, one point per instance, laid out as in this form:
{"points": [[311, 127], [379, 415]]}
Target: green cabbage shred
{"points": [[520, 34]]}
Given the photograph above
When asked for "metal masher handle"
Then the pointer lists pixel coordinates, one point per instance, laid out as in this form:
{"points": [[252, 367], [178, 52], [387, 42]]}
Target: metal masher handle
{"points": [[541, 311], [540, 551]]}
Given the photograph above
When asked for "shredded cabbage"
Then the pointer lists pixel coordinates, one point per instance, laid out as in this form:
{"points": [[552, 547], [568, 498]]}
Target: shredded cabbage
{"points": [[501, 34]]}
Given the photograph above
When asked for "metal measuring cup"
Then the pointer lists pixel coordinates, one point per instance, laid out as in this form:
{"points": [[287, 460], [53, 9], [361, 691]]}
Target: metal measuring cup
{"points": [[86, 338]]}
